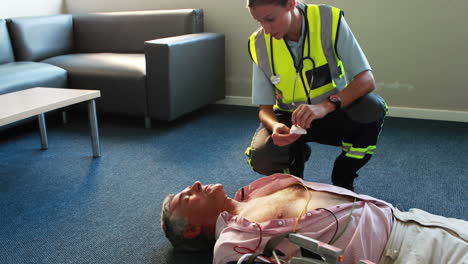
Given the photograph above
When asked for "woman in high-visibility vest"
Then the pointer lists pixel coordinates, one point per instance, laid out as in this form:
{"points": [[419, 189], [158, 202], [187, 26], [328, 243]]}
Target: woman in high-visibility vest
{"points": [[313, 83]]}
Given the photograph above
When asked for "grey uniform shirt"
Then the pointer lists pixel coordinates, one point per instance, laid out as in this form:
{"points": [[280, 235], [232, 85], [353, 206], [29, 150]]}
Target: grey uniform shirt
{"points": [[348, 49]]}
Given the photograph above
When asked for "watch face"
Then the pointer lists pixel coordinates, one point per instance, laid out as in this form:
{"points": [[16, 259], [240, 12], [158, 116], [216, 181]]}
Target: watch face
{"points": [[335, 98]]}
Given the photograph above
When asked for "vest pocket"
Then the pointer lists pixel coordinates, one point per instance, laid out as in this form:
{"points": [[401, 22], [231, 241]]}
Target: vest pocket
{"points": [[322, 76]]}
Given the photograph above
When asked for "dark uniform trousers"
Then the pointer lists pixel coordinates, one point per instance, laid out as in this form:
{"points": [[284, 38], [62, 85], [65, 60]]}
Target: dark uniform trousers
{"points": [[358, 124]]}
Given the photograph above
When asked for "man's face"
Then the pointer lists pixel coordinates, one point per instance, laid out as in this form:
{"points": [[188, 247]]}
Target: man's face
{"points": [[274, 19], [199, 203]]}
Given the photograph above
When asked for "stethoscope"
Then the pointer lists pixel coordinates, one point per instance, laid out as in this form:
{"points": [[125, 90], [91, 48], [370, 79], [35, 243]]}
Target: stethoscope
{"points": [[275, 78]]}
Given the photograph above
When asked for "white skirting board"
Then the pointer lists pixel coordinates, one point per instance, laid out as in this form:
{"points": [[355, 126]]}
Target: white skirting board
{"points": [[406, 112]]}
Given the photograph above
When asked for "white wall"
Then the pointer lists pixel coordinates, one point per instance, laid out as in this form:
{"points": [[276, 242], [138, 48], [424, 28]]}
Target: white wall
{"points": [[17, 8], [416, 48]]}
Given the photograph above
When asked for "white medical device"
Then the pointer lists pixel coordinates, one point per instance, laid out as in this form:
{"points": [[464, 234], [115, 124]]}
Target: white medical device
{"points": [[328, 253]]}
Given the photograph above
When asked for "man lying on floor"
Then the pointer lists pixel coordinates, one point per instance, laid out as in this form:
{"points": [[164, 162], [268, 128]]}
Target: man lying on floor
{"points": [[203, 216]]}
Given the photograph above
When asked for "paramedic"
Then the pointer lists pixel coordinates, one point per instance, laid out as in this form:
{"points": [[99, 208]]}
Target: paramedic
{"points": [[309, 71]]}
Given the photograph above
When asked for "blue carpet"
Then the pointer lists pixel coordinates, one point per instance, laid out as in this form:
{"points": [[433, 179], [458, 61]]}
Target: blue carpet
{"points": [[62, 206]]}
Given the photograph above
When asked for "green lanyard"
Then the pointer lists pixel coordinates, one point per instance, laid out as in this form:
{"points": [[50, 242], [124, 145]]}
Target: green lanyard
{"points": [[347, 224]]}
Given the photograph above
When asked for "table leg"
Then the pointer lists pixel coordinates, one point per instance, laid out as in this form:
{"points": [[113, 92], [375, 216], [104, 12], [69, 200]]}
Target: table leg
{"points": [[64, 117], [94, 128], [43, 131], [147, 122]]}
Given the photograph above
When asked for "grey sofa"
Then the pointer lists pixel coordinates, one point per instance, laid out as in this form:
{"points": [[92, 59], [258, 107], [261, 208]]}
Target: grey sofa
{"points": [[154, 64]]}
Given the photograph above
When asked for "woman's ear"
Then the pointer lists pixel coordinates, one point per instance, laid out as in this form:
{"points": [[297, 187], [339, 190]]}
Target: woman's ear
{"points": [[192, 232]]}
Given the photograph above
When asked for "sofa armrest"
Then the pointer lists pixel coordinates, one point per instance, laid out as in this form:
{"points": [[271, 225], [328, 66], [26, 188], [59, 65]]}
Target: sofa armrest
{"points": [[184, 73]]}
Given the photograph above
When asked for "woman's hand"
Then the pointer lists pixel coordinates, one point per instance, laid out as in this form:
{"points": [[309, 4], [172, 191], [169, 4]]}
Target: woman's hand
{"points": [[281, 136], [305, 114]]}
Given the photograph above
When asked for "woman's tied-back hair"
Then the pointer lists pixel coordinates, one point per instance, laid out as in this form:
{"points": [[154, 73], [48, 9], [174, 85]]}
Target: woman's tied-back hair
{"points": [[254, 3], [173, 227]]}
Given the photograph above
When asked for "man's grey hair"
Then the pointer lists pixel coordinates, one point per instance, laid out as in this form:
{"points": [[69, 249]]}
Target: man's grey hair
{"points": [[174, 226]]}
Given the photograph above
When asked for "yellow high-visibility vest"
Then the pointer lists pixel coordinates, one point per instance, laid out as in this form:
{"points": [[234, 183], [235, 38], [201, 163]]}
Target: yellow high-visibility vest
{"points": [[319, 66]]}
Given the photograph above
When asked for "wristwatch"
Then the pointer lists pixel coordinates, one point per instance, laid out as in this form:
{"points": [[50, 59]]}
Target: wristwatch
{"points": [[336, 100]]}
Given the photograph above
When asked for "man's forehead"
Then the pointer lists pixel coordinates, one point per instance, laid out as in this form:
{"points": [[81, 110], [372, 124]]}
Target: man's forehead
{"points": [[174, 202]]}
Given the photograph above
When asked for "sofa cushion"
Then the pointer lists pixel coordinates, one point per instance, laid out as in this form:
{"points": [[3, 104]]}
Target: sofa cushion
{"points": [[6, 51], [15, 76], [106, 64], [126, 32], [119, 77], [38, 38]]}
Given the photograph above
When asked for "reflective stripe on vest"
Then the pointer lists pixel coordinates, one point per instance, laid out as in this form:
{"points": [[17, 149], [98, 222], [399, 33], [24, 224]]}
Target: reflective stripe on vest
{"points": [[328, 40], [322, 39]]}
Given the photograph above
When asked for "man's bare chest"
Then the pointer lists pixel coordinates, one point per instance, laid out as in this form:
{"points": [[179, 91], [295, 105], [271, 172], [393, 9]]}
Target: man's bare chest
{"points": [[289, 203]]}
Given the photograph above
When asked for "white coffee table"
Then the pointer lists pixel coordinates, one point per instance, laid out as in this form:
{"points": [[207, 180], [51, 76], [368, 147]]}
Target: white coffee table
{"points": [[37, 101]]}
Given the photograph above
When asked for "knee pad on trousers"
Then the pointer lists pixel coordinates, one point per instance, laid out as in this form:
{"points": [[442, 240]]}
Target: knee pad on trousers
{"points": [[264, 156], [367, 109], [269, 159]]}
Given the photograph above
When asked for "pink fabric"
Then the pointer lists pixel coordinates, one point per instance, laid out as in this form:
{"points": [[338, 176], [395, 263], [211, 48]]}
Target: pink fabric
{"points": [[365, 237]]}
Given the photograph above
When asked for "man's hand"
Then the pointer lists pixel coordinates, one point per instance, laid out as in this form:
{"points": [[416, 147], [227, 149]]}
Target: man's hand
{"points": [[281, 136], [305, 114]]}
